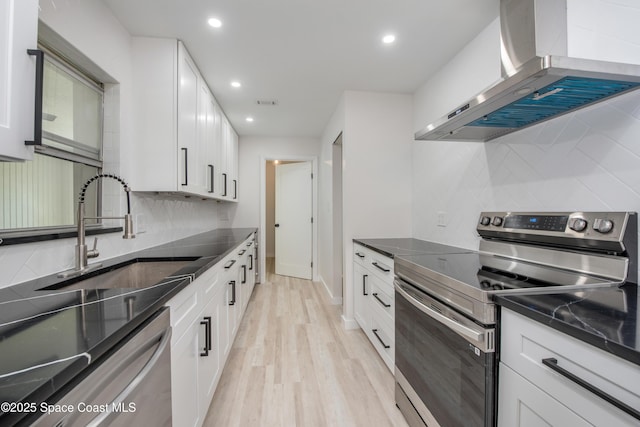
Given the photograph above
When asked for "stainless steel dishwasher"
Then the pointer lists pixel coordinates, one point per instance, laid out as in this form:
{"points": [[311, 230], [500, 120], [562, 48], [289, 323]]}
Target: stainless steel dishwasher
{"points": [[131, 387]]}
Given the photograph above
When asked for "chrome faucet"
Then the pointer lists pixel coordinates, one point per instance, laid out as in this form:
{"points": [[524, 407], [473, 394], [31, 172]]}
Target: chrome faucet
{"points": [[82, 252]]}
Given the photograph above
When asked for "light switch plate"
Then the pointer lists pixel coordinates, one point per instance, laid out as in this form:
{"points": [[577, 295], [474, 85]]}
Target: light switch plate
{"points": [[442, 219]]}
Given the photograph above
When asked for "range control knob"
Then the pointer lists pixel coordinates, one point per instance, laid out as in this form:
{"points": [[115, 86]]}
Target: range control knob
{"points": [[603, 225], [578, 224], [497, 221], [485, 220]]}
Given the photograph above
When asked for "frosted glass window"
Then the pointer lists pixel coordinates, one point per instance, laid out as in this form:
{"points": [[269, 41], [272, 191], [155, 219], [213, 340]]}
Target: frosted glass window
{"points": [[71, 111]]}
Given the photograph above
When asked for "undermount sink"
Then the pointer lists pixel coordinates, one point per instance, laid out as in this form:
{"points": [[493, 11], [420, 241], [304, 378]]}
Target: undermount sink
{"points": [[135, 274]]}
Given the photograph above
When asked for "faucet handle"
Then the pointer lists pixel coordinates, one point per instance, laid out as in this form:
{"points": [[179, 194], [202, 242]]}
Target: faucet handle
{"points": [[93, 253]]}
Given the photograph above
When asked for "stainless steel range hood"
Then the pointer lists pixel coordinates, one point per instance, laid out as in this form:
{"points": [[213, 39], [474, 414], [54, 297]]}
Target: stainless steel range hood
{"points": [[534, 88]]}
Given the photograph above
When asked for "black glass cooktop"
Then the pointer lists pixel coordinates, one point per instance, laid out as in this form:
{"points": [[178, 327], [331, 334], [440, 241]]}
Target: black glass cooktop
{"points": [[476, 273]]}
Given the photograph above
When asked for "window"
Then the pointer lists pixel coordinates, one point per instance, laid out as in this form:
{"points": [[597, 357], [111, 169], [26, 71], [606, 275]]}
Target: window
{"points": [[44, 192]]}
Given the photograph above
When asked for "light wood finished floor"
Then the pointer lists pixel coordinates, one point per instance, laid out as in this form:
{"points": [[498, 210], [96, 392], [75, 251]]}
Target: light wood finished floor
{"points": [[293, 364]]}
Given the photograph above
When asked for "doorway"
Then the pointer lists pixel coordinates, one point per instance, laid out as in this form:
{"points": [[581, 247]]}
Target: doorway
{"points": [[285, 251]]}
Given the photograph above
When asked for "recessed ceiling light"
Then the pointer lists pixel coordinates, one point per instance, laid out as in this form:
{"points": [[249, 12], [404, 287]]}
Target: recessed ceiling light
{"points": [[249, 119], [388, 39], [236, 83], [215, 22]]}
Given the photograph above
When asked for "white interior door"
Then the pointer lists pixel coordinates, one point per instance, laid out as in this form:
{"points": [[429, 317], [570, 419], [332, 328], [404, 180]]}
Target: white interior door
{"points": [[294, 225]]}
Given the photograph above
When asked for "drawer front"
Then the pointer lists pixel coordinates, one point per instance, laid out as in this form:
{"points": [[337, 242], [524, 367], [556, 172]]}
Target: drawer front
{"points": [[382, 267], [184, 309], [382, 299], [381, 335], [360, 254], [526, 343], [522, 404]]}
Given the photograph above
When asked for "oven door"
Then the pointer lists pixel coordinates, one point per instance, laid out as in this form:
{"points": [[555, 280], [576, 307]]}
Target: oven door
{"points": [[445, 363]]}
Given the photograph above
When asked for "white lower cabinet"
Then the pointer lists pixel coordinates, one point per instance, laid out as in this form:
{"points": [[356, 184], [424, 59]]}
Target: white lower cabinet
{"points": [[374, 300], [205, 317], [535, 388]]}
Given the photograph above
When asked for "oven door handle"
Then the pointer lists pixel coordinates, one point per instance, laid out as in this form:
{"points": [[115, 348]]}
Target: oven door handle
{"points": [[475, 337]]}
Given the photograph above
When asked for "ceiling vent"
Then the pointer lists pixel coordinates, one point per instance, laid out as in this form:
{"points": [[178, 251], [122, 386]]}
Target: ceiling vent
{"points": [[268, 102]]}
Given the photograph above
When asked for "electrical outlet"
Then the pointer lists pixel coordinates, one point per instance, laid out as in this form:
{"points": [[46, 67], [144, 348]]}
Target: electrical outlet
{"points": [[140, 223], [442, 219]]}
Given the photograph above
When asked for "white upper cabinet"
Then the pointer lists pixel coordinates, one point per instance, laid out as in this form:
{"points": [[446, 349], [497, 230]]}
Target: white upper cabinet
{"points": [[18, 33], [178, 124]]}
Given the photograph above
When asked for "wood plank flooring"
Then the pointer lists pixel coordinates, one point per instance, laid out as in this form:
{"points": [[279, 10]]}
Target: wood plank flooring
{"points": [[293, 364]]}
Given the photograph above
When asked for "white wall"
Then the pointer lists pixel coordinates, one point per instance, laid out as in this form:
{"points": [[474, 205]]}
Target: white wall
{"points": [[329, 267], [472, 70], [376, 150], [89, 26]]}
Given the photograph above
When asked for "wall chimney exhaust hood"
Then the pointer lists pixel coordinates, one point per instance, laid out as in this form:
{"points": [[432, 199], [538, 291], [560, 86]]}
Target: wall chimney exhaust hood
{"points": [[534, 88]]}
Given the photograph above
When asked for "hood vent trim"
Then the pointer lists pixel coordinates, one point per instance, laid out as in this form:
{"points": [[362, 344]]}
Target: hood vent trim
{"points": [[541, 89]]}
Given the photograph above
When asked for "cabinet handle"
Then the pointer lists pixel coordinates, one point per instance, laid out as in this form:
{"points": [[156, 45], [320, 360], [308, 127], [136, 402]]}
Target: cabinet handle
{"points": [[37, 122], [244, 274], [250, 262], [359, 255], [229, 264], [553, 364], [211, 179], [224, 176], [207, 335], [364, 284], [242, 252], [384, 304], [235, 189], [186, 166], [233, 292], [375, 332], [385, 269]]}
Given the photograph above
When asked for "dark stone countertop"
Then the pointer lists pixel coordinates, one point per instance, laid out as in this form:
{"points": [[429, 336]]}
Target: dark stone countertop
{"points": [[393, 247], [48, 337], [605, 318]]}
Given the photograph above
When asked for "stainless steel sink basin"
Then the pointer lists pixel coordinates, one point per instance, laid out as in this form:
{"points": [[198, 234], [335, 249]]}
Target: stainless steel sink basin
{"points": [[139, 274]]}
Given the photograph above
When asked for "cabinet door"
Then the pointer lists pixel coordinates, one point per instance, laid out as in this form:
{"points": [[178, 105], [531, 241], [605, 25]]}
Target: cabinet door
{"points": [[209, 366], [225, 141], [362, 292], [189, 158], [233, 163], [210, 143], [522, 404], [184, 378], [17, 77]]}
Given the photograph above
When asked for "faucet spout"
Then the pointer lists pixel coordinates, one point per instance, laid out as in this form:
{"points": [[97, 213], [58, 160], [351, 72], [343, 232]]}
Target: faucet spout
{"points": [[82, 252]]}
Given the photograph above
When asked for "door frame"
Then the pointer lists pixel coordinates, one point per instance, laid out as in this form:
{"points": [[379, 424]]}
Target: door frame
{"points": [[263, 210]]}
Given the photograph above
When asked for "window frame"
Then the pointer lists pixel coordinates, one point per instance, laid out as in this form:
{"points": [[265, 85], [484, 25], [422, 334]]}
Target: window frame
{"points": [[84, 155]]}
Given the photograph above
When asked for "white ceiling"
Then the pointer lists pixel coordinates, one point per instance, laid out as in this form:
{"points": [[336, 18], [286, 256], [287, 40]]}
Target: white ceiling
{"points": [[305, 53]]}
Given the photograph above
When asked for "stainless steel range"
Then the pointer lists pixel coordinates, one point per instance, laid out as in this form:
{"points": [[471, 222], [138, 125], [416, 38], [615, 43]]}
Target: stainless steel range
{"points": [[446, 316]]}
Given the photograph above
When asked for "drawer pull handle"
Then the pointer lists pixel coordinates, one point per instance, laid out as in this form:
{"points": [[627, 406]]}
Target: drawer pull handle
{"points": [[375, 332], [229, 264], [358, 254], [207, 335], [364, 284], [233, 292], [385, 269], [384, 304], [553, 364]]}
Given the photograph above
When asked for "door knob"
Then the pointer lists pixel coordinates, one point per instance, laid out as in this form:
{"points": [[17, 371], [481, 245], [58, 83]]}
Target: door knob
{"points": [[277, 225]]}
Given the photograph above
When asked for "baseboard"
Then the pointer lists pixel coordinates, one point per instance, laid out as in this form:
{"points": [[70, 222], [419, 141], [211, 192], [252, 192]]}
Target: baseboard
{"points": [[332, 299], [349, 323]]}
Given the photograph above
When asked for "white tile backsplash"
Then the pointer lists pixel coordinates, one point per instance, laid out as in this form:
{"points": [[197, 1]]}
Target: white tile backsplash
{"points": [[166, 218], [587, 160]]}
